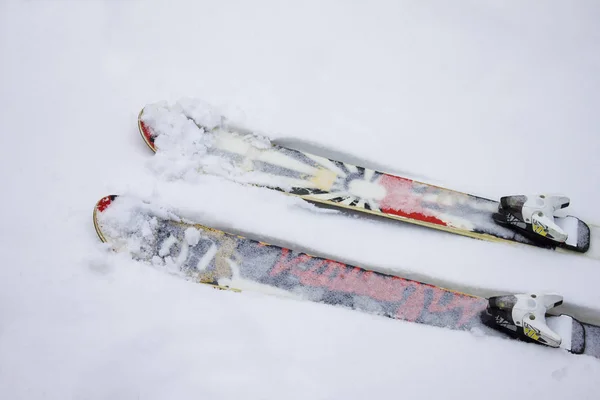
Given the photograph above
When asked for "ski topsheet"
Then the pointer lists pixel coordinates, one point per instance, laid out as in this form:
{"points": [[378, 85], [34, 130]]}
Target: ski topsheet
{"points": [[157, 236], [192, 133]]}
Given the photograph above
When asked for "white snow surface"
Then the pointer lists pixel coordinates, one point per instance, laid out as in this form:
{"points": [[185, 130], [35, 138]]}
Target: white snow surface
{"points": [[475, 96]]}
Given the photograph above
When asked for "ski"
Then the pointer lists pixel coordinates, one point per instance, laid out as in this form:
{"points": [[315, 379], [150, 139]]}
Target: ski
{"points": [[192, 130], [158, 236]]}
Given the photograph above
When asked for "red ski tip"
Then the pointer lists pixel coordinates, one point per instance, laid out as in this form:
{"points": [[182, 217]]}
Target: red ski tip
{"points": [[146, 133], [105, 202]]}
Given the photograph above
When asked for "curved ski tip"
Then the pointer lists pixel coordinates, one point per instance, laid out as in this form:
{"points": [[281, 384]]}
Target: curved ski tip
{"points": [[145, 132], [104, 202], [100, 206]]}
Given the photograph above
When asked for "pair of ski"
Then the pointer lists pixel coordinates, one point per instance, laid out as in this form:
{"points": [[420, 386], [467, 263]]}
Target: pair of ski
{"points": [[193, 131]]}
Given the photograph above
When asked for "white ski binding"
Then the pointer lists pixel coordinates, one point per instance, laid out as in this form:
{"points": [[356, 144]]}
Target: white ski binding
{"points": [[523, 316], [534, 215]]}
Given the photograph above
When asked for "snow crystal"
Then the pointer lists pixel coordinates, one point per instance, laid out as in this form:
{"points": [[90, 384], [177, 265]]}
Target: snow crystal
{"points": [[165, 248], [203, 114], [192, 236], [257, 141]]}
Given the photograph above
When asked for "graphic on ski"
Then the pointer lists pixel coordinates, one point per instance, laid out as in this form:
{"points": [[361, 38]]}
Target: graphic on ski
{"points": [[191, 129], [156, 235]]}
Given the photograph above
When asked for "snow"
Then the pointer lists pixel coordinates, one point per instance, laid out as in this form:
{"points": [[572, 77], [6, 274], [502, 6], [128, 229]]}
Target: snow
{"points": [[476, 96], [570, 227], [563, 326], [192, 236]]}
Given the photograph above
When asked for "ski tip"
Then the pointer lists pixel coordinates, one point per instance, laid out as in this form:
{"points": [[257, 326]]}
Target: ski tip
{"points": [[104, 202], [101, 206], [146, 132]]}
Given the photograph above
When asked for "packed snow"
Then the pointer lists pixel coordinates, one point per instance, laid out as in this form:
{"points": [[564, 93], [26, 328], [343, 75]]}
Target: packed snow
{"points": [[476, 96]]}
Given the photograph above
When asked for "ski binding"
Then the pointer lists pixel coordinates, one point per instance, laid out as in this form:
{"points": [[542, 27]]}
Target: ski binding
{"points": [[534, 217], [523, 316]]}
